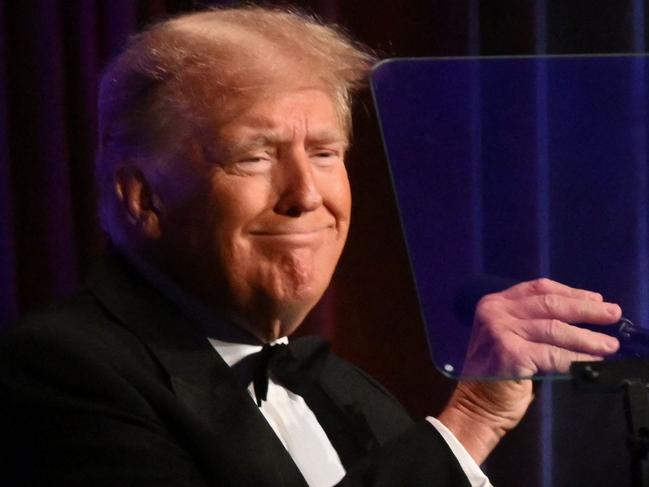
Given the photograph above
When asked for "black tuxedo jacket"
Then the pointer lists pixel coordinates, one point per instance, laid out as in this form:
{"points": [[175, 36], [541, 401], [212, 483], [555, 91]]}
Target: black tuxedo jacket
{"points": [[118, 388]]}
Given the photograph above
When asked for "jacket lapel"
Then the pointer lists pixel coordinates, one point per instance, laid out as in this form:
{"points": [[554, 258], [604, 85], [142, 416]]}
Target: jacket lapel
{"points": [[341, 417], [237, 441]]}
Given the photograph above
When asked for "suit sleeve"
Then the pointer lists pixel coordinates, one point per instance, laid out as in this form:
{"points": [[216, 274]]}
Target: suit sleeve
{"points": [[416, 457], [67, 421], [404, 453]]}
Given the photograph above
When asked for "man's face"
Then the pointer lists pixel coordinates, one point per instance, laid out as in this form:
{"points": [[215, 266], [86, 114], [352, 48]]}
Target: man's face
{"points": [[262, 230]]}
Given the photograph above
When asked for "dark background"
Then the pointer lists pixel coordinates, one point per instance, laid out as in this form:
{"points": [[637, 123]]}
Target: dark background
{"points": [[51, 54]]}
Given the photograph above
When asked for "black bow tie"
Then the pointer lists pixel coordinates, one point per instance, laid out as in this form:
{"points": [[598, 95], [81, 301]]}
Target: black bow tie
{"points": [[295, 366]]}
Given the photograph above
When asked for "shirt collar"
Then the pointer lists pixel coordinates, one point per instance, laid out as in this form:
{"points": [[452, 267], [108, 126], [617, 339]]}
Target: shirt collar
{"points": [[232, 353]]}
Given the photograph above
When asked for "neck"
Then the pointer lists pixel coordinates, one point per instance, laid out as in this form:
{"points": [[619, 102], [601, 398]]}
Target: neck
{"points": [[264, 323]]}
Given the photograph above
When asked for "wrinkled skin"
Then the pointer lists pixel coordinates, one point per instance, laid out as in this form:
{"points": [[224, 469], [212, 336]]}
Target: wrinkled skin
{"points": [[519, 332], [525, 330], [252, 220]]}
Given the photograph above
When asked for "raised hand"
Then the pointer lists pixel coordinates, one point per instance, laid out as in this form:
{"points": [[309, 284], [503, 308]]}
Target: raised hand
{"points": [[517, 333], [527, 329]]}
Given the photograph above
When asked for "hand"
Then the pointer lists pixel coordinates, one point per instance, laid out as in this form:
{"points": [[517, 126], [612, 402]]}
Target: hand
{"points": [[517, 333], [526, 330]]}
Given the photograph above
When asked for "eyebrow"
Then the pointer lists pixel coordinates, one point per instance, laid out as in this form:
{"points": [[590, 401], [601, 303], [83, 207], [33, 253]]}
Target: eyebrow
{"points": [[267, 138]]}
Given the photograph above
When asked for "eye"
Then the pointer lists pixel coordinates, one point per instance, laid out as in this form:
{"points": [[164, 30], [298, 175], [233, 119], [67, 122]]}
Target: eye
{"points": [[254, 163], [255, 159], [326, 157]]}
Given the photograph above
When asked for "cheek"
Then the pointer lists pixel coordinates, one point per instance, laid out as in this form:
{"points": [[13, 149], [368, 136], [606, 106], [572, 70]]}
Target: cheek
{"points": [[338, 202], [209, 222], [232, 207], [339, 197], [234, 202], [346, 197]]}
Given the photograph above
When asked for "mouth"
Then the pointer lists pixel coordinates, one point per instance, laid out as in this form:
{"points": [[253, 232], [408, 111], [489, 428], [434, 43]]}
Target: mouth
{"points": [[293, 235], [288, 233], [289, 230]]}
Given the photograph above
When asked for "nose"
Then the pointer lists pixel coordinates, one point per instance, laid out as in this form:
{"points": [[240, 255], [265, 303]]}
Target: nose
{"points": [[298, 189]]}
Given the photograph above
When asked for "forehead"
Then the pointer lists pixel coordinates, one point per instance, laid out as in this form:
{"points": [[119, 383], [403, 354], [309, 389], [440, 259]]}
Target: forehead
{"points": [[310, 110], [305, 116], [284, 115]]}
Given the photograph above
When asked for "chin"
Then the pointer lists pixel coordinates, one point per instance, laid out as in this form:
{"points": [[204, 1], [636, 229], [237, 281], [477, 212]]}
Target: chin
{"points": [[292, 301], [274, 316], [292, 297], [284, 290], [300, 277]]}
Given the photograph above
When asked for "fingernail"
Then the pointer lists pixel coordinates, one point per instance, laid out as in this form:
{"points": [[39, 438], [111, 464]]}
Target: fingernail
{"points": [[612, 344], [612, 309]]}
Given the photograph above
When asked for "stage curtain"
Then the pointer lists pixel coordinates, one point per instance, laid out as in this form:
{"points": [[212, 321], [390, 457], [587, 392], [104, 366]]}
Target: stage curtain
{"points": [[51, 55]]}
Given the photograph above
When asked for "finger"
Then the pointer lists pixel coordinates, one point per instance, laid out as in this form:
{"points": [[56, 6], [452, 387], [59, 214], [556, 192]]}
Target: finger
{"points": [[518, 358], [551, 359], [569, 337], [568, 309], [548, 286]]}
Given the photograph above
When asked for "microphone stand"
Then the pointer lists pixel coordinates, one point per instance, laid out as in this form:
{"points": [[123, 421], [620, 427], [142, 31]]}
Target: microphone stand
{"points": [[632, 376]]}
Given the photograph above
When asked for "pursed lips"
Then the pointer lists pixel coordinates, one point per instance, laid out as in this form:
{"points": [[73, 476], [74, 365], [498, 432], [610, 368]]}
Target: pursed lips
{"points": [[300, 236], [287, 232]]}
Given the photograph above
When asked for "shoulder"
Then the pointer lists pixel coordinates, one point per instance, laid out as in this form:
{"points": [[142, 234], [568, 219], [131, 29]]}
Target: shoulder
{"points": [[74, 351], [80, 396], [79, 326]]}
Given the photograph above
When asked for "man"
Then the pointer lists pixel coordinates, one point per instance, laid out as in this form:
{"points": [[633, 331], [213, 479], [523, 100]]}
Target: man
{"points": [[224, 192]]}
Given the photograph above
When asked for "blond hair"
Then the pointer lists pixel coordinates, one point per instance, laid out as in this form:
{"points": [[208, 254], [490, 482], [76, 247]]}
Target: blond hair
{"points": [[182, 74]]}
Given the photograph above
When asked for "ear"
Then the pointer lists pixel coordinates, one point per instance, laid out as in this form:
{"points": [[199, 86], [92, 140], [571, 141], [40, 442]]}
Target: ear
{"points": [[140, 204]]}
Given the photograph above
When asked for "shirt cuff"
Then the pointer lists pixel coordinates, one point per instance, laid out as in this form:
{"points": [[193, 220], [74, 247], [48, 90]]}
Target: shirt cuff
{"points": [[476, 476]]}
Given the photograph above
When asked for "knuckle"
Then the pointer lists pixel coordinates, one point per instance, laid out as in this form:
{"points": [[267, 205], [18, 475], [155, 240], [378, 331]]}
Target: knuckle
{"points": [[555, 358], [552, 329], [549, 302], [488, 300], [584, 309], [488, 306], [541, 285]]}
